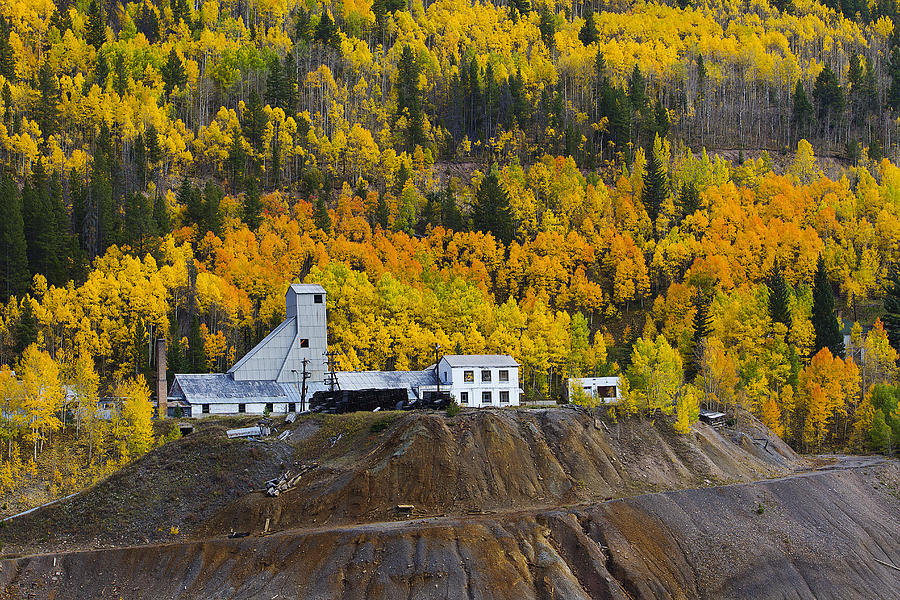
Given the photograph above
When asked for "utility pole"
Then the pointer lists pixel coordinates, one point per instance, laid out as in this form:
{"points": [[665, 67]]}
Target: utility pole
{"points": [[437, 371], [332, 364], [522, 329], [303, 393]]}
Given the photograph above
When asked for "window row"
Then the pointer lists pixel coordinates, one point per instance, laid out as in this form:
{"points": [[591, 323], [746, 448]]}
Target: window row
{"points": [[242, 408], [486, 397], [469, 376]]}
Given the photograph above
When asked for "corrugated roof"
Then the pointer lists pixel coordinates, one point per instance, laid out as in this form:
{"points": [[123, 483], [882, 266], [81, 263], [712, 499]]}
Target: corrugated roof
{"points": [[385, 380], [212, 388], [480, 360], [307, 288]]}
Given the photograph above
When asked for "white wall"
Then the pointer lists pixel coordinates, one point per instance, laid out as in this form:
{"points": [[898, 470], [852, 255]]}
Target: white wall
{"points": [[454, 378], [590, 384], [226, 408]]}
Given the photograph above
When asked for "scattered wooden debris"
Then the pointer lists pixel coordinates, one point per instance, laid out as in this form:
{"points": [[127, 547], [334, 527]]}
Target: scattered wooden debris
{"points": [[283, 435], [238, 534], [289, 479], [290, 418], [242, 432], [261, 429], [404, 510]]}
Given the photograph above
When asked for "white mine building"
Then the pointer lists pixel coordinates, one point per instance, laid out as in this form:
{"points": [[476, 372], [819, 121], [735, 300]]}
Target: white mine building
{"points": [[271, 376]]}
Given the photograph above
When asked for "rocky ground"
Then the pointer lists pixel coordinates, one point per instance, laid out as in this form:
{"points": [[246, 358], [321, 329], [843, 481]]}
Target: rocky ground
{"points": [[508, 504]]}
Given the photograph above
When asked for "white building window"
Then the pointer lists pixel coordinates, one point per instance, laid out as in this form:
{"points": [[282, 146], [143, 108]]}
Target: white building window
{"points": [[485, 397], [469, 376], [205, 409], [464, 397], [242, 408], [486, 375], [503, 375], [317, 299], [504, 397]]}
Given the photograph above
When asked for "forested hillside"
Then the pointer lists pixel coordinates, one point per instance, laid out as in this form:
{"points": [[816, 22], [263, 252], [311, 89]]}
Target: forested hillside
{"points": [[544, 180]]}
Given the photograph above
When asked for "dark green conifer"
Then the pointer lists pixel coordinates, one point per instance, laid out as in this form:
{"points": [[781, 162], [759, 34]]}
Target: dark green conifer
{"points": [[95, 35], [251, 207], [655, 191], [588, 34], [173, 73], [491, 212], [7, 56], [320, 214], [824, 320], [13, 249], [779, 296]]}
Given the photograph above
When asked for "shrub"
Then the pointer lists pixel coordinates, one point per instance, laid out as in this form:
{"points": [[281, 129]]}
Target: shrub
{"points": [[453, 409]]}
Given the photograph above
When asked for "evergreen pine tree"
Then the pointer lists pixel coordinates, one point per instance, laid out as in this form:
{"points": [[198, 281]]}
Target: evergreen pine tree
{"points": [[95, 35], [47, 108], [254, 121], [212, 204], [802, 114], [122, 76], [588, 34], [173, 73], [326, 31], [702, 329], [491, 212], [382, 213], [101, 194], [13, 250], [138, 222], [409, 99], [148, 23], [251, 208], [101, 71], [654, 193], [26, 331], [689, 198], [320, 214], [824, 320], [829, 96], [162, 222], [7, 56], [547, 26], [891, 318], [892, 100], [61, 18], [451, 216], [779, 295], [181, 12], [196, 347]]}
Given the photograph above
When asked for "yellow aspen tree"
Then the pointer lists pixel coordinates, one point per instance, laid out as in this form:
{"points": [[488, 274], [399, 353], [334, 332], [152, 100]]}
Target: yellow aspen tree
{"points": [[688, 409], [656, 374], [136, 414], [42, 395]]}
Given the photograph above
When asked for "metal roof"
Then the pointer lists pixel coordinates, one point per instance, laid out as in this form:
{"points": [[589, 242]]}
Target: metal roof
{"points": [[385, 380], [307, 288], [480, 360], [212, 388]]}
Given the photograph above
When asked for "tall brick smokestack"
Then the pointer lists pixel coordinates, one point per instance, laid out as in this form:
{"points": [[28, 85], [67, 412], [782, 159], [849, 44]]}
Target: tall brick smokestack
{"points": [[162, 390]]}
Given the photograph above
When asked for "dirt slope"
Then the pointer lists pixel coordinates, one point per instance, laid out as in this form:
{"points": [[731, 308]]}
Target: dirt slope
{"points": [[496, 460], [817, 538], [368, 463], [178, 485]]}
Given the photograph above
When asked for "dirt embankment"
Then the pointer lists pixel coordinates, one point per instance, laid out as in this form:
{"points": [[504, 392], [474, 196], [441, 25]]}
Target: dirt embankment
{"points": [[179, 485], [478, 461], [497, 460], [811, 536]]}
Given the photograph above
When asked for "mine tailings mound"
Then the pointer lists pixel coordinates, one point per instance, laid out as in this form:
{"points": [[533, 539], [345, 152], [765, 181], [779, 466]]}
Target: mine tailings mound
{"points": [[360, 466], [490, 460], [817, 535]]}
